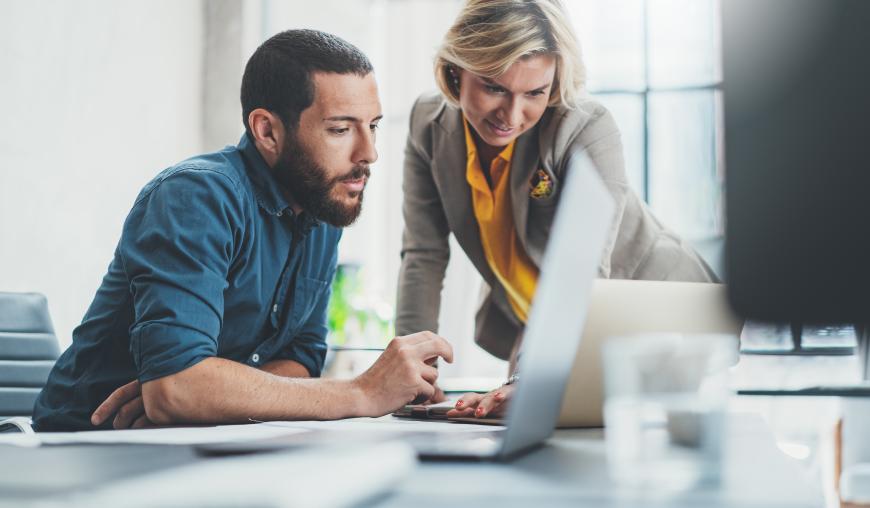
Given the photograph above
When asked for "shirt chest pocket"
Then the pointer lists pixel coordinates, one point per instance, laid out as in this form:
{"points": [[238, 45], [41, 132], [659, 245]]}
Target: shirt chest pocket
{"points": [[306, 296]]}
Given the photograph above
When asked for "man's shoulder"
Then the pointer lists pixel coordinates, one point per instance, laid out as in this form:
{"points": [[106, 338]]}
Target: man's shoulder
{"points": [[226, 164], [221, 171]]}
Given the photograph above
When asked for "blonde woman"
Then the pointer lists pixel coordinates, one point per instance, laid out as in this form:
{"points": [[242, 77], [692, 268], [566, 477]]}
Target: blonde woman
{"points": [[485, 160]]}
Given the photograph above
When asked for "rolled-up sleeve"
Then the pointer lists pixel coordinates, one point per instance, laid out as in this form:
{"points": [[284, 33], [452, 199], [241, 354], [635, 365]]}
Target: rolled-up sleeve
{"points": [[177, 246], [309, 346]]}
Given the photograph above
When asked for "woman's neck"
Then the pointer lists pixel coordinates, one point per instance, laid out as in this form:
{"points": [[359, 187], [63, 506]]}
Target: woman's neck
{"points": [[485, 152]]}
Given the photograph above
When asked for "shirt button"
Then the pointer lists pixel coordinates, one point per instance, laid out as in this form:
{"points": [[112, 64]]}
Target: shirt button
{"points": [[275, 308], [255, 358]]}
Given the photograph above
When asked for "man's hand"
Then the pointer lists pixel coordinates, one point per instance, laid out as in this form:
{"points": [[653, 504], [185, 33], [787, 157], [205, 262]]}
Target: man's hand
{"points": [[437, 397], [403, 373], [480, 405], [127, 406]]}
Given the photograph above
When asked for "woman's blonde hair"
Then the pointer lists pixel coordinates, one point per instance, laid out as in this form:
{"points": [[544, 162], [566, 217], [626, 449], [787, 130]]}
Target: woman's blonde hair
{"points": [[490, 35]]}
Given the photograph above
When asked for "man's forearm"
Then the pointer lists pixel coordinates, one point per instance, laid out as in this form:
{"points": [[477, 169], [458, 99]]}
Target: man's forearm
{"points": [[286, 368], [217, 390]]}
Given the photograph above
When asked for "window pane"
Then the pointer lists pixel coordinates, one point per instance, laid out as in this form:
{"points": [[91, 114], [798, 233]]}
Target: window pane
{"points": [[627, 109], [685, 188], [683, 42], [611, 38]]}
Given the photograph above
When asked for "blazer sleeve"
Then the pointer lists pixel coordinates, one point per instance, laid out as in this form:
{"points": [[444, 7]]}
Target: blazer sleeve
{"points": [[592, 132], [638, 245], [425, 246]]}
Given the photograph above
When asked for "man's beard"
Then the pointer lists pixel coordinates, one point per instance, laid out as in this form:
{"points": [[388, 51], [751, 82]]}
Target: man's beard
{"points": [[312, 188]]}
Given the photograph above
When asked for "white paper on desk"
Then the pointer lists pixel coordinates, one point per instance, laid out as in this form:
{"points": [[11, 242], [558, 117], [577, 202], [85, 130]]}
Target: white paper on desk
{"points": [[388, 424], [168, 435], [319, 477]]}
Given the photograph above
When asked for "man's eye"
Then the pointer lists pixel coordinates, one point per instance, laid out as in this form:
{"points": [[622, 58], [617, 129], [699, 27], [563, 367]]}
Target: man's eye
{"points": [[339, 130], [374, 127]]}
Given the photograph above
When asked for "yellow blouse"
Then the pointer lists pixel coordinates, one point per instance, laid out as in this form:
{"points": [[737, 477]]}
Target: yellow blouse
{"points": [[492, 208]]}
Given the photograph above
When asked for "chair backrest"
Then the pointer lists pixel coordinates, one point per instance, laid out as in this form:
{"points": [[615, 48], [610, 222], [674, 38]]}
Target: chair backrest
{"points": [[28, 350]]}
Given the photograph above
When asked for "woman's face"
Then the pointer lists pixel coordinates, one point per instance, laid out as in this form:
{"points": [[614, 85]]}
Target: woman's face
{"points": [[501, 109]]}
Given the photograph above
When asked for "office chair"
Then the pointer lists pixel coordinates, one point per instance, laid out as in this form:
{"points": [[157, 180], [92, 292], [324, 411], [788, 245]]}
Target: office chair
{"points": [[28, 350]]}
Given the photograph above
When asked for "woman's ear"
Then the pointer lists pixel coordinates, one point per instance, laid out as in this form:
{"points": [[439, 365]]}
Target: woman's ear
{"points": [[268, 133], [453, 74]]}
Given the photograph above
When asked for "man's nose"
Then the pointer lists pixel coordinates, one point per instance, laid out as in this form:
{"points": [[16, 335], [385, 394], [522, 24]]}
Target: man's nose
{"points": [[366, 152]]}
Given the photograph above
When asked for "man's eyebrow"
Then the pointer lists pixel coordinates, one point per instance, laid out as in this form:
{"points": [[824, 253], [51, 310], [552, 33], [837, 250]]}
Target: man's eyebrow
{"points": [[347, 118]]}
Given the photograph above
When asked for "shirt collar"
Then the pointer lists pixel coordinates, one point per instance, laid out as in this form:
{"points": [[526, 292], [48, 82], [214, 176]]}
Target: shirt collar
{"points": [[474, 172], [267, 188]]}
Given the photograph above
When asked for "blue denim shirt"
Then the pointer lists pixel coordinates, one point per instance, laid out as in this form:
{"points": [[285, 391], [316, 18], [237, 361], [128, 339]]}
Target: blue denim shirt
{"points": [[212, 261]]}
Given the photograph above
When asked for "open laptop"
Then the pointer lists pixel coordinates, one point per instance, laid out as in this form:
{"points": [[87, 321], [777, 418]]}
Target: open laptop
{"points": [[620, 308], [553, 331]]}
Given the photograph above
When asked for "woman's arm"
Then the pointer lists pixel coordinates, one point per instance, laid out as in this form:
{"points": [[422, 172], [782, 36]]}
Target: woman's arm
{"points": [[425, 247]]}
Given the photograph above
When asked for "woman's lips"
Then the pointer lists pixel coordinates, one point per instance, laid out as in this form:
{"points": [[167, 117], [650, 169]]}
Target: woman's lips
{"points": [[500, 130]]}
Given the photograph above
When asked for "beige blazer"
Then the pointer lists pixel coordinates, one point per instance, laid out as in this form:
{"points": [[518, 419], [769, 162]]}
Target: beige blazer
{"points": [[437, 202]]}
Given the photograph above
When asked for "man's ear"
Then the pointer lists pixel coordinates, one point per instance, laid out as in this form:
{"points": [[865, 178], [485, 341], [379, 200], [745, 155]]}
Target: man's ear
{"points": [[268, 133]]}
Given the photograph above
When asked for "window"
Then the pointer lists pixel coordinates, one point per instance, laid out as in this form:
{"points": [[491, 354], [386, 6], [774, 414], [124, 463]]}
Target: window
{"points": [[656, 65]]}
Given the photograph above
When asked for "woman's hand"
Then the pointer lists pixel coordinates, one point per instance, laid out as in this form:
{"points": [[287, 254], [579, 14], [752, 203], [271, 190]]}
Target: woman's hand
{"points": [[479, 405]]}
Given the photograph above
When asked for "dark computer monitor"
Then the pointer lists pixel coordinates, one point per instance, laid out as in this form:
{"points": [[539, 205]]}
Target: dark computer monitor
{"points": [[796, 87]]}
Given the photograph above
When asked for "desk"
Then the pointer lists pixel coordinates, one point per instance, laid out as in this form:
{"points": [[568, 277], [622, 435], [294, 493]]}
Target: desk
{"points": [[569, 471]]}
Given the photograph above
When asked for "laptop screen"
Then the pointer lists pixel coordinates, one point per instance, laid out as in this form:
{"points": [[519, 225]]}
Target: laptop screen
{"points": [[552, 334]]}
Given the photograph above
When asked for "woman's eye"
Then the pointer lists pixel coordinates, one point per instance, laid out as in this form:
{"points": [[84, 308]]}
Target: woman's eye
{"points": [[536, 93], [494, 89]]}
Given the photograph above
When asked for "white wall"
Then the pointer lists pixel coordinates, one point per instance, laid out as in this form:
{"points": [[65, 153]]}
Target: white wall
{"points": [[96, 96]]}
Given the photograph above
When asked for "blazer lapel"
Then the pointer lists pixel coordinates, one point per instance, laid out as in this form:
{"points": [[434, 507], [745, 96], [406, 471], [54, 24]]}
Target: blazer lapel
{"points": [[523, 165], [449, 167]]}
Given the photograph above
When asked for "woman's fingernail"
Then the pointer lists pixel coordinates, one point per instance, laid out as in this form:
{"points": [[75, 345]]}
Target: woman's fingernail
{"points": [[479, 411], [460, 403], [499, 395]]}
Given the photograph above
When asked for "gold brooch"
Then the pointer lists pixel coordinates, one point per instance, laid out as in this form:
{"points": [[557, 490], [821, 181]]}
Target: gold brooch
{"points": [[542, 185]]}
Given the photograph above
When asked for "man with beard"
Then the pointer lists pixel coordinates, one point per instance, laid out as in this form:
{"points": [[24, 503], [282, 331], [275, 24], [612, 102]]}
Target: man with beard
{"points": [[213, 309]]}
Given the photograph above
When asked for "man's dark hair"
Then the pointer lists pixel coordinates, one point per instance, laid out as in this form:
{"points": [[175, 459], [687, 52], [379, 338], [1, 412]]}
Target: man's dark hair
{"points": [[278, 75]]}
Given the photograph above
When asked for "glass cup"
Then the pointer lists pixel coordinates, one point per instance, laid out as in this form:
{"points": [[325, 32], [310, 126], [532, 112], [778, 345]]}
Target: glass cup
{"points": [[665, 408]]}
